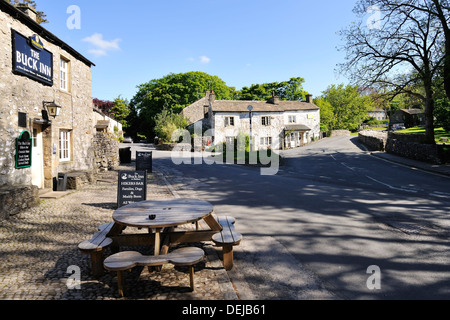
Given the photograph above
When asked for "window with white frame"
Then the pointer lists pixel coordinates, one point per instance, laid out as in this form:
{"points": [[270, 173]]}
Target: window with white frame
{"points": [[64, 74], [64, 145], [230, 140], [266, 141], [229, 121], [292, 119], [265, 121]]}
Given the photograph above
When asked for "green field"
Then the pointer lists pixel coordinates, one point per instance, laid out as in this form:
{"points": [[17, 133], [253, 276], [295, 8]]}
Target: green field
{"points": [[439, 133]]}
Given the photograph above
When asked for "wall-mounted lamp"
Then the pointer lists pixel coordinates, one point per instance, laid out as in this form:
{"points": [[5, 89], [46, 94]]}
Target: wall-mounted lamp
{"points": [[53, 109]]}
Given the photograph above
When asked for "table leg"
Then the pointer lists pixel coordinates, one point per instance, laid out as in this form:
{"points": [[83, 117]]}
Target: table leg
{"points": [[165, 242], [191, 277], [228, 257], [97, 263], [157, 241], [121, 283]]}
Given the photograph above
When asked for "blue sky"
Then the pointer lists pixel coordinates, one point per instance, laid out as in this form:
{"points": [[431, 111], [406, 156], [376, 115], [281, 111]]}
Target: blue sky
{"points": [[241, 41]]}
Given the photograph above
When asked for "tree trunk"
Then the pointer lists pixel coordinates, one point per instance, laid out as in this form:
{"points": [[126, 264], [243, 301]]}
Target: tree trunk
{"points": [[429, 118], [447, 69], [443, 18]]}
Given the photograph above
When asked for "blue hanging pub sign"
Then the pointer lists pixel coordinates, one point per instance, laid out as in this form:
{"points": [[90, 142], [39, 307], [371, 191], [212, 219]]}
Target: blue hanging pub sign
{"points": [[31, 59]]}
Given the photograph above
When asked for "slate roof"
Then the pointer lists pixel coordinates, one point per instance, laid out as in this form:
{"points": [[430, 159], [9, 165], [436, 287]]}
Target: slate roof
{"points": [[412, 111], [298, 127], [261, 106]]}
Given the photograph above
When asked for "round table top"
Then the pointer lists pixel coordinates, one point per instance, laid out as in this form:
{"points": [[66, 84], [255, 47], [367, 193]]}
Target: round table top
{"points": [[158, 214]]}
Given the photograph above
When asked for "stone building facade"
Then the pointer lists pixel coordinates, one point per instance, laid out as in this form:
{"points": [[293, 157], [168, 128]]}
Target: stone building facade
{"points": [[275, 124], [29, 89]]}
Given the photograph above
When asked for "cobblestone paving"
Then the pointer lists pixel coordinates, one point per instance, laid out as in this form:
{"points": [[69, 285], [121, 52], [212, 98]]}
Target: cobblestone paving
{"points": [[38, 250]]}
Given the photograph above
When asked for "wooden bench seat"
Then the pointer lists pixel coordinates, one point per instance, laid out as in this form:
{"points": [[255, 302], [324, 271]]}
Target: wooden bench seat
{"points": [[128, 260], [95, 247], [227, 239]]}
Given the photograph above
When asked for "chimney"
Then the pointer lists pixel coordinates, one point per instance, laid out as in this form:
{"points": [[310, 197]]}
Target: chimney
{"points": [[27, 9], [212, 97], [275, 99], [309, 98]]}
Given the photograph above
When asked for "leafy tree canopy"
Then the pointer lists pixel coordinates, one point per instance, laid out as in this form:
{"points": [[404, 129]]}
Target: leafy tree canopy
{"points": [[291, 90], [345, 107], [174, 92]]}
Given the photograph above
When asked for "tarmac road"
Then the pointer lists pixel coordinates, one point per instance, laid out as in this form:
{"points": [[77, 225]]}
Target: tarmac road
{"points": [[334, 223]]}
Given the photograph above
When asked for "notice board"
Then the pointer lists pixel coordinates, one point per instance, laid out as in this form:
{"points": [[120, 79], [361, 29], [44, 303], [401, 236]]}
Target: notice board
{"points": [[24, 148], [144, 161], [132, 187]]}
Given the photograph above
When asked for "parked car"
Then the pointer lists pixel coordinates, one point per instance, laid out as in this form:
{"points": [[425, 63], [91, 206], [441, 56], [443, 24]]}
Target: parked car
{"points": [[127, 140], [397, 127]]}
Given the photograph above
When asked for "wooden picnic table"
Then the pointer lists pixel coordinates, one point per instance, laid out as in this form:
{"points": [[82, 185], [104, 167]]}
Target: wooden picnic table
{"points": [[161, 217]]}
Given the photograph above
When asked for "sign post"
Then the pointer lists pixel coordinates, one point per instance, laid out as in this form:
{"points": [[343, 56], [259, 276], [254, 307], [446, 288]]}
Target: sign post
{"points": [[144, 161], [24, 146], [132, 187]]}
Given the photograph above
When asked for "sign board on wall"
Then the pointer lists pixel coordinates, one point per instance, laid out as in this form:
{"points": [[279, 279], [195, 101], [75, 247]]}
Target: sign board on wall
{"points": [[31, 59], [132, 187], [24, 147]]}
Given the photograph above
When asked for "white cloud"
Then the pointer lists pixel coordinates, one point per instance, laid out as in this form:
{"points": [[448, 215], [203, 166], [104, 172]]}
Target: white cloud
{"points": [[102, 46], [205, 59]]}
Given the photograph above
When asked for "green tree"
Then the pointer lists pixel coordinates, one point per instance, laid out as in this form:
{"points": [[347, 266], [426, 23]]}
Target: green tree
{"points": [[41, 16], [291, 90], [349, 107], [174, 92], [326, 114], [120, 111], [407, 38]]}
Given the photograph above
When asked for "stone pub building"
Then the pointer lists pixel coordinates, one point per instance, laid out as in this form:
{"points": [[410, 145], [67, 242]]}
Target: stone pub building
{"points": [[45, 109]]}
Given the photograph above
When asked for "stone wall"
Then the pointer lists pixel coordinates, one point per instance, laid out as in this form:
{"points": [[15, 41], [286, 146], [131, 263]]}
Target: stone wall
{"points": [[106, 150], [374, 140], [14, 200], [340, 133], [407, 137], [407, 145], [196, 111], [78, 180]]}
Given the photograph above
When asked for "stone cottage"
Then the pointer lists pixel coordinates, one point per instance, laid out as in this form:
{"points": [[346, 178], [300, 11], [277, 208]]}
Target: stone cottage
{"points": [[408, 118], [292, 123], [45, 103]]}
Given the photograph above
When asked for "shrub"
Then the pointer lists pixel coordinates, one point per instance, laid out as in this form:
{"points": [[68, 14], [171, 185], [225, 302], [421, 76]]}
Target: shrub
{"points": [[167, 123]]}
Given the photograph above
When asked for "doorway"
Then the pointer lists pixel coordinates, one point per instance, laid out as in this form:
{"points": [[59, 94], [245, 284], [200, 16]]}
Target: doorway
{"points": [[37, 164]]}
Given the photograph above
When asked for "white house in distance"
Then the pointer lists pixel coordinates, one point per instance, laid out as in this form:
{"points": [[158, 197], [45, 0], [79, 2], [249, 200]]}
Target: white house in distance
{"points": [[294, 123]]}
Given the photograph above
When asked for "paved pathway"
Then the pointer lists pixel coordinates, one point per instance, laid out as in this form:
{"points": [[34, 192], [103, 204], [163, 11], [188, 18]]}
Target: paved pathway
{"points": [[38, 247]]}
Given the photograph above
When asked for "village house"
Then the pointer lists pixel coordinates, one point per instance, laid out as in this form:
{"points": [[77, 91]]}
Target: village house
{"points": [[292, 123], [408, 118], [46, 111], [378, 114], [106, 124]]}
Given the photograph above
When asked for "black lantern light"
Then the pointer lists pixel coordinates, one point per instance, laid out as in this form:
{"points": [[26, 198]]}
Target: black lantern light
{"points": [[53, 109]]}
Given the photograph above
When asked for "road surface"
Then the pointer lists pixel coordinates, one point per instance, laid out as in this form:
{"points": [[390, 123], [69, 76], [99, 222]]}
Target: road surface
{"points": [[334, 223]]}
